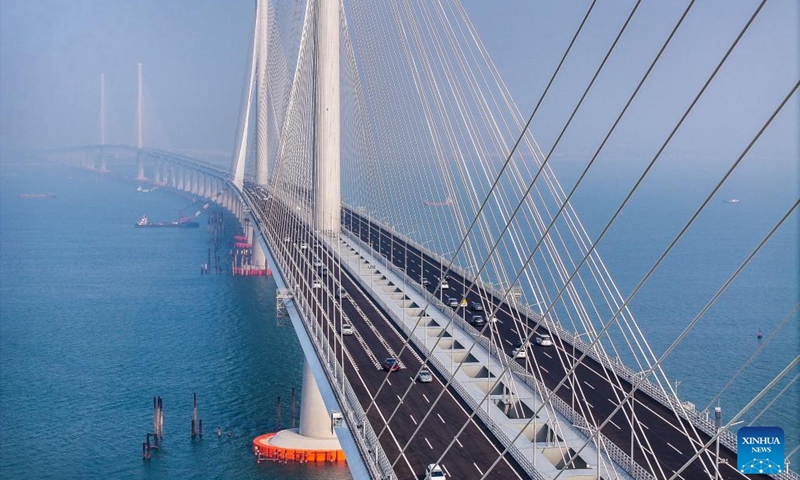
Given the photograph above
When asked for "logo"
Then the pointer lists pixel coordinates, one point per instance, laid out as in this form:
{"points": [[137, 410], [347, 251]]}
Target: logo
{"points": [[760, 450]]}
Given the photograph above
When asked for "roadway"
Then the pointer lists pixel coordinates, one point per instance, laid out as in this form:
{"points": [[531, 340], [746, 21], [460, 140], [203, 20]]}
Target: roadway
{"points": [[594, 391], [376, 338]]}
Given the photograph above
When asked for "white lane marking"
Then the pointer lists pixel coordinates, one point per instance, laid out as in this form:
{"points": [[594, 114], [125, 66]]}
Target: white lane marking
{"points": [[675, 448], [412, 419], [445, 469], [509, 342], [429, 443], [542, 368], [426, 398], [612, 423], [440, 418], [399, 399], [547, 355], [588, 384], [478, 469], [459, 442]]}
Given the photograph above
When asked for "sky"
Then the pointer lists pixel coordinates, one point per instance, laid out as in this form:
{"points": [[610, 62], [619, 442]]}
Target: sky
{"points": [[194, 55]]}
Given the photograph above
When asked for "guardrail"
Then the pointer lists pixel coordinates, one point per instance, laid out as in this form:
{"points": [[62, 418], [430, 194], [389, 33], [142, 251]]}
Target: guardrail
{"points": [[613, 452], [366, 440]]}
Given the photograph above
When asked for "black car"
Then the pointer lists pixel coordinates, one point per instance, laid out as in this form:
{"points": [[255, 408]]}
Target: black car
{"points": [[477, 306], [477, 320]]}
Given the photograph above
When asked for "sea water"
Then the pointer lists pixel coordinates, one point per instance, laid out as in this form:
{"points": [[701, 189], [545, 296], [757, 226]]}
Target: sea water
{"points": [[98, 317]]}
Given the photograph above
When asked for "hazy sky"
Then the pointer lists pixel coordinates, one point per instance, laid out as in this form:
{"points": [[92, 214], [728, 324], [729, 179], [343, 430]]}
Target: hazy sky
{"points": [[194, 54]]}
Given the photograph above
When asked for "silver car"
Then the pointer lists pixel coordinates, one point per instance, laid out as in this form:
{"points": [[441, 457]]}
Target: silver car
{"points": [[425, 376]]}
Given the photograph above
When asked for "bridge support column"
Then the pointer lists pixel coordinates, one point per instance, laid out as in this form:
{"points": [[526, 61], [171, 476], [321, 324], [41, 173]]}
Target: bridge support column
{"points": [[157, 173], [327, 174], [258, 260], [140, 166], [314, 441]]}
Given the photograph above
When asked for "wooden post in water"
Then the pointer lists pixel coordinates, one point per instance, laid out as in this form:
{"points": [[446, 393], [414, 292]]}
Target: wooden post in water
{"points": [[194, 414], [201, 429], [160, 431], [155, 419]]}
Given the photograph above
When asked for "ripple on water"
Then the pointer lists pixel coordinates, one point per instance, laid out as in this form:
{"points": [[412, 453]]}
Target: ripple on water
{"points": [[120, 316]]}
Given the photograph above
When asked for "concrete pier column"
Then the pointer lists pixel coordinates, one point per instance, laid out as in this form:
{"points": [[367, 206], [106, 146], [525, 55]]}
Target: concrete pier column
{"points": [[315, 421], [180, 173], [157, 173]]}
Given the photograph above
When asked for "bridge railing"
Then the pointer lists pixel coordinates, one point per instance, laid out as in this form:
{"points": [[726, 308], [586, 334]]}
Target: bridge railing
{"points": [[612, 450], [702, 422], [366, 440]]}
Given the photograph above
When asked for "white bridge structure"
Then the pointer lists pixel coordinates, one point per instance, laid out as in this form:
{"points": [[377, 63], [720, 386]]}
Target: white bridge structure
{"points": [[384, 173]]}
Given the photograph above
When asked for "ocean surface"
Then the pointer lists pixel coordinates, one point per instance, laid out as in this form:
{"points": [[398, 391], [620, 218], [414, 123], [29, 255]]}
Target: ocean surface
{"points": [[97, 318]]}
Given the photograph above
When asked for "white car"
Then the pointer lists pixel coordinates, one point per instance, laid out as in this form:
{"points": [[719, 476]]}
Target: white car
{"points": [[445, 285], [303, 246], [519, 352], [544, 340], [347, 329], [425, 376], [316, 284], [434, 472]]}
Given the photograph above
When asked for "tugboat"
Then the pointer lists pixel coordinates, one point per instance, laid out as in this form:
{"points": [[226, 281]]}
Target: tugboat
{"points": [[732, 200]]}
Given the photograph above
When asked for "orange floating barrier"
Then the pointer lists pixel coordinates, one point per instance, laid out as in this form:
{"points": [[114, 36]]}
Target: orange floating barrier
{"points": [[263, 450]]}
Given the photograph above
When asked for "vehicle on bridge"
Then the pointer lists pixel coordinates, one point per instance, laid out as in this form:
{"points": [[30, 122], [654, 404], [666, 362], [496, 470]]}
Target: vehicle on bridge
{"points": [[543, 340], [347, 329], [477, 306], [434, 472], [391, 364], [477, 321], [425, 376], [519, 352]]}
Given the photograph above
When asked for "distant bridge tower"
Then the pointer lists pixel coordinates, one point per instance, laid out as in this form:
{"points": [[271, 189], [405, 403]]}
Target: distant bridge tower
{"points": [[256, 86], [139, 121]]}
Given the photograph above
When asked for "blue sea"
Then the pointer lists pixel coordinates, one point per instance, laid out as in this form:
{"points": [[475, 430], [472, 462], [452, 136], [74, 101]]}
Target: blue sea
{"points": [[97, 318]]}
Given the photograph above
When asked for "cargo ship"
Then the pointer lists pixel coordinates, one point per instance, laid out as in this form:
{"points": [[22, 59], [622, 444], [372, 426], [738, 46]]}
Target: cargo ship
{"points": [[183, 222], [37, 195]]}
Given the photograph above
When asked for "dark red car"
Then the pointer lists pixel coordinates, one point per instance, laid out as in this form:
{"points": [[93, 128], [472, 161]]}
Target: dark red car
{"points": [[391, 365]]}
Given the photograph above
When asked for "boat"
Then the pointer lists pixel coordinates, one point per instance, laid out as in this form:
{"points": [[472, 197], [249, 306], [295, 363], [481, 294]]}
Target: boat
{"points": [[146, 190], [37, 195], [183, 222], [446, 203], [732, 200]]}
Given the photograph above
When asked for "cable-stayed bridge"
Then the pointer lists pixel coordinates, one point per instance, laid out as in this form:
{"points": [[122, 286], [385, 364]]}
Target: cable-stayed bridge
{"points": [[384, 172]]}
